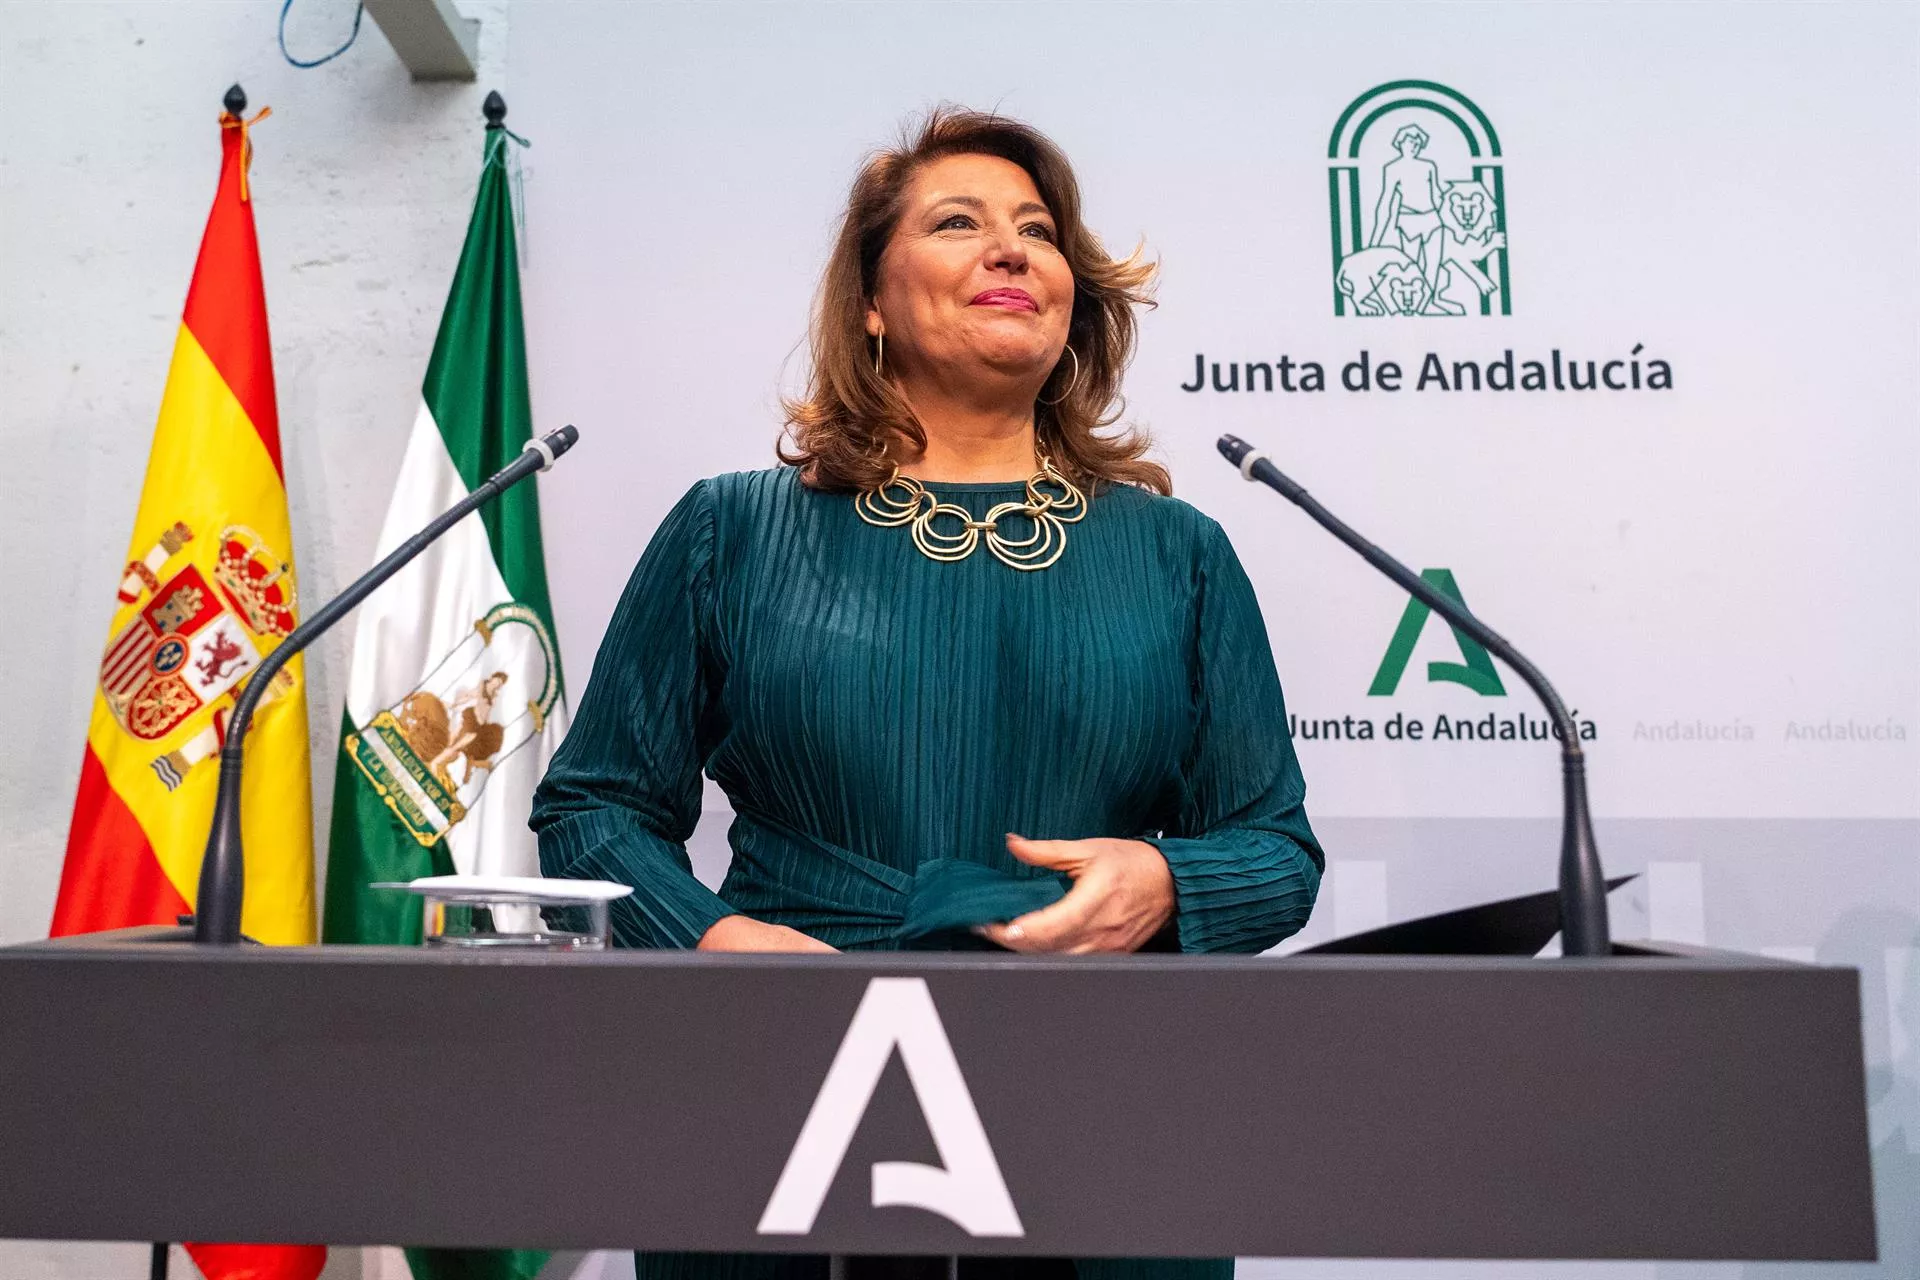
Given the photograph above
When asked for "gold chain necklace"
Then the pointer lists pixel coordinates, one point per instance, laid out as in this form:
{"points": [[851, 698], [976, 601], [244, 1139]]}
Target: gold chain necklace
{"points": [[1051, 514]]}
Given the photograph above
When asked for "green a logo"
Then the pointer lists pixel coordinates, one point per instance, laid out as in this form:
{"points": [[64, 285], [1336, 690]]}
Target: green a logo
{"points": [[1476, 672], [1416, 190]]}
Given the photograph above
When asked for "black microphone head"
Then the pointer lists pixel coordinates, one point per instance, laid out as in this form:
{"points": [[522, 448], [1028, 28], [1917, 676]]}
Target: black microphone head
{"points": [[1233, 449], [562, 440]]}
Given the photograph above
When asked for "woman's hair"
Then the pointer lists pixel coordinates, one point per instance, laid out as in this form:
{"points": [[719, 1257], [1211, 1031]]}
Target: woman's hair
{"points": [[838, 433]]}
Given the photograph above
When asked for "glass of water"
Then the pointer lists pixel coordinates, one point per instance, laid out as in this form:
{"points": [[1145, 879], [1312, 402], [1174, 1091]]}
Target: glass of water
{"points": [[514, 912]]}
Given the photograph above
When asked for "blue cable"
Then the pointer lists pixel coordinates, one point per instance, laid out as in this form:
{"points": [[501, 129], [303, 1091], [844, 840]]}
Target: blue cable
{"points": [[358, 13]]}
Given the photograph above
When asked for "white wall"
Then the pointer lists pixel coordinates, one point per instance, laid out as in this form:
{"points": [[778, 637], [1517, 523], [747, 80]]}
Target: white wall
{"points": [[362, 183]]}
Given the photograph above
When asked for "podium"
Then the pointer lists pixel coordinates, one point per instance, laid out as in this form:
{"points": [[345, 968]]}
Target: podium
{"points": [[1664, 1102]]}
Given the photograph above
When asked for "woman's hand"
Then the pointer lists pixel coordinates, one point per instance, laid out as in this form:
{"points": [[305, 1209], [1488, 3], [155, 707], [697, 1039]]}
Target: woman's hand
{"points": [[1122, 894], [742, 933]]}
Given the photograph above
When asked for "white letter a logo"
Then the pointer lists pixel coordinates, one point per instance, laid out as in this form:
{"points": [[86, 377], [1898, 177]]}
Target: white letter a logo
{"points": [[968, 1190]]}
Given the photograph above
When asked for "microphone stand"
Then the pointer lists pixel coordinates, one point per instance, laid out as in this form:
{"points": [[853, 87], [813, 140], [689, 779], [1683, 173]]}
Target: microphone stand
{"points": [[1583, 890], [222, 891]]}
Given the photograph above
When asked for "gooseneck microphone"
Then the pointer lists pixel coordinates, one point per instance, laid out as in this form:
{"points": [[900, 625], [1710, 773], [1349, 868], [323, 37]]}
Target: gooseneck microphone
{"points": [[216, 916], [1583, 891]]}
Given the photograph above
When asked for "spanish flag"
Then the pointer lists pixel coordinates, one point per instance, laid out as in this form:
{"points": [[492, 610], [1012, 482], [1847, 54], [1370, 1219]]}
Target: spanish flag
{"points": [[208, 591]]}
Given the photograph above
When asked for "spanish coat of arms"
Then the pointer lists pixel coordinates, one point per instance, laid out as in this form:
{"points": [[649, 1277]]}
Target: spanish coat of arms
{"points": [[194, 640]]}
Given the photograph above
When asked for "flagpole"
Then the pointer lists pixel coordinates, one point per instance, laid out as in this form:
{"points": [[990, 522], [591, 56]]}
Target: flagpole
{"points": [[160, 1262]]}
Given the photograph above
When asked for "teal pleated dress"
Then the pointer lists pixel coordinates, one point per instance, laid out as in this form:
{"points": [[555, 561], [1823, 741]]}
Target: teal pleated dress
{"points": [[876, 717]]}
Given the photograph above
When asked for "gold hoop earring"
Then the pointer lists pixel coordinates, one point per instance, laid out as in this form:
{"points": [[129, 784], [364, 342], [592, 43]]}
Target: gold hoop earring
{"points": [[1071, 382], [879, 352]]}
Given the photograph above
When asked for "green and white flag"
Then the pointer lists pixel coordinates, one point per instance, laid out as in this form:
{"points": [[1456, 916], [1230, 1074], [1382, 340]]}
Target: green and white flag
{"points": [[454, 703]]}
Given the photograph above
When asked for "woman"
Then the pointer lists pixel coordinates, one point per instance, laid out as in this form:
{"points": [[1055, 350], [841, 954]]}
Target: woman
{"points": [[959, 612]]}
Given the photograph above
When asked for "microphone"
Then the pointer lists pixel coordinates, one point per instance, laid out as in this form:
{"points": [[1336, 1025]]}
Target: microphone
{"points": [[1583, 891], [216, 916]]}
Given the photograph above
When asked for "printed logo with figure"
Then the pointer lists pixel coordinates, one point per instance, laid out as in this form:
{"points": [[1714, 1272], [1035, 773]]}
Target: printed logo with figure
{"points": [[194, 641], [1417, 193], [429, 755]]}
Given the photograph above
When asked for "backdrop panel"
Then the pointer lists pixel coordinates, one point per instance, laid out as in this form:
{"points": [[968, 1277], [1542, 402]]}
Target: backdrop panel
{"points": [[1641, 392]]}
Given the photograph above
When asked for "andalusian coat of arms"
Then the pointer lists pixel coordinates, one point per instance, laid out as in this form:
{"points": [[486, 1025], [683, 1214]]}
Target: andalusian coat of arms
{"points": [[429, 755], [1416, 189]]}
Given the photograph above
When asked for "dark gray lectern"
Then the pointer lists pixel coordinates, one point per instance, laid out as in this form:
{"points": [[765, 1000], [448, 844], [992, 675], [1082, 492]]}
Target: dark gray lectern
{"points": [[1661, 1103]]}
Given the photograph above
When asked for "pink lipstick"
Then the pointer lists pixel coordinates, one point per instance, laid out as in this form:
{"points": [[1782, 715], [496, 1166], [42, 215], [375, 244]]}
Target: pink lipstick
{"points": [[1012, 299]]}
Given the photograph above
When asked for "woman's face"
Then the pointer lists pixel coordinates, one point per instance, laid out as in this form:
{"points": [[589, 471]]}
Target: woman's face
{"points": [[973, 287]]}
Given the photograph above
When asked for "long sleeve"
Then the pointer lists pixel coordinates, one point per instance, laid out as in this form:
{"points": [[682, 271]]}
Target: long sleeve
{"points": [[1246, 867], [622, 793]]}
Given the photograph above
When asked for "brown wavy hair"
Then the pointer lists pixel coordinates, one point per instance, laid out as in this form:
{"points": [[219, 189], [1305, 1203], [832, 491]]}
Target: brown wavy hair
{"points": [[838, 433]]}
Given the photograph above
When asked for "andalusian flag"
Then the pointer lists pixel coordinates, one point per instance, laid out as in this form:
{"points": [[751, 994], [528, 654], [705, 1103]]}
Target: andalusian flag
{"points": [[209, 590], [454, 701]]}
